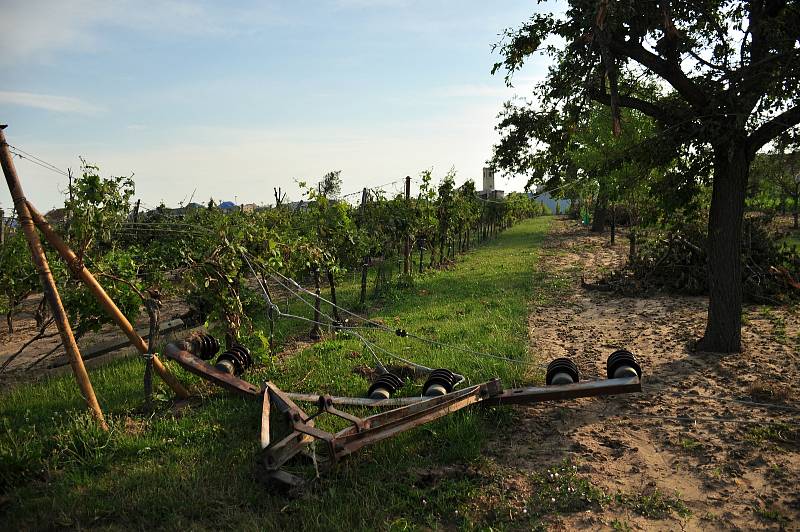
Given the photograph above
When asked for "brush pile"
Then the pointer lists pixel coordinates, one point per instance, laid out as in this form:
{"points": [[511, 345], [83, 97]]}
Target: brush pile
{"points": [[676, 261]]}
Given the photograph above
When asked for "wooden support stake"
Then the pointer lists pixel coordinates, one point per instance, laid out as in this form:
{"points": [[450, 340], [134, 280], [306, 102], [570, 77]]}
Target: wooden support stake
{"points": [[407, 243], [79, 270], [48, 283]]}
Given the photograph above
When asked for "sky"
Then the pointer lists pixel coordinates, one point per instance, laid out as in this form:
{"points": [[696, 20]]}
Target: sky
{"points": [[204, 100]]}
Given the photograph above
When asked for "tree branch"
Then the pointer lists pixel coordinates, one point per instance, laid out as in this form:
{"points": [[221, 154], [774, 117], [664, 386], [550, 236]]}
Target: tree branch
{"points": [[669, 72], [632, 102], [40, 335], [771, 129]]}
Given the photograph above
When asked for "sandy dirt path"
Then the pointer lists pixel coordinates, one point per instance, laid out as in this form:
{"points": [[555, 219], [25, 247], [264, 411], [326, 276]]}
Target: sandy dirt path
{"points": [[730, 475]]}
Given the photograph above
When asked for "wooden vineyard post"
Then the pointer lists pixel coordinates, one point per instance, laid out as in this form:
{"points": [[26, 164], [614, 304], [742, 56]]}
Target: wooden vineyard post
{"points": [[407, 246], [48, 283], [80, 271], [362, 298]]}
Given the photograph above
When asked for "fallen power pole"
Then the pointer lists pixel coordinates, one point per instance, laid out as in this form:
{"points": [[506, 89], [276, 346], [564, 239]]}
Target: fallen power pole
{"points": [[287, 430]]}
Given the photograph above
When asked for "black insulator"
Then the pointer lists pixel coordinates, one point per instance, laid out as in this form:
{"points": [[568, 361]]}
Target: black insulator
{"points": [[384, 386], [440, 382], [401, 333], [562, 371], [235, 360], [622, 363], [204, 346]]}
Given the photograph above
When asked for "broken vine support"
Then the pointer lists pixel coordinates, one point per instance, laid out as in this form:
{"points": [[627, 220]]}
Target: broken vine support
{"points": [[287, 430], [48, 283]]}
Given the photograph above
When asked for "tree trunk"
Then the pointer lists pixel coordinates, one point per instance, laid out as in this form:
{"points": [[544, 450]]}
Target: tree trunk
{"points": [[153, 306], [600, 211], [42, 313], [362, 299], [724, 326], [334, 307], [796, 210], [632, 249], [613, 224], [316, 332]]}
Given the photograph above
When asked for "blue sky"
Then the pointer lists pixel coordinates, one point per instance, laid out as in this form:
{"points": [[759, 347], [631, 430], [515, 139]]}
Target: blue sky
{"points": [[231, 101]]}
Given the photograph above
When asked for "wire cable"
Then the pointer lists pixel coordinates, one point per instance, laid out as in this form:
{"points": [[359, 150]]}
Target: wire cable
{"points": [[32, 158]]}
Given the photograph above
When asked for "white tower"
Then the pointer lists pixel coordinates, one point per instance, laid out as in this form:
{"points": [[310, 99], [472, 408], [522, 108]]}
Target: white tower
{"points": [[488, 179]]}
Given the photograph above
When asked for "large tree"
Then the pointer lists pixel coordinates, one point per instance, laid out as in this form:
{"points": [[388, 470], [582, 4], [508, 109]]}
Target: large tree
{"points": [[725, 83]]}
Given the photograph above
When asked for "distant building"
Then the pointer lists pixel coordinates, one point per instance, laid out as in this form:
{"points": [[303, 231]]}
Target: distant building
{"points": [[489, 192]]}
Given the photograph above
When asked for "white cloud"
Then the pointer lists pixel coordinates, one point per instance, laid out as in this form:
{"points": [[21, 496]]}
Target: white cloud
{"points": [[31, 29], [37, 29], [49, 102]]}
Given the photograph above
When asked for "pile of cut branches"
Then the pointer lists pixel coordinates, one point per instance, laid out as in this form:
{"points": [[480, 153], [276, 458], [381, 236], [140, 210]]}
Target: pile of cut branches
{"points": [[676, 261]]}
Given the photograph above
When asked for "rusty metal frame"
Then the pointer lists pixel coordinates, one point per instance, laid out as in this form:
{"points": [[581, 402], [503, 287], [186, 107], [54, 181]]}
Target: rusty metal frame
{"points": [[360, 433]]}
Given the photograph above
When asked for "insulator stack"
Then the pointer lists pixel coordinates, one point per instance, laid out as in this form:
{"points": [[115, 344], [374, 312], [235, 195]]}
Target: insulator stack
{"points": [[562, 371], [622, 364], [204, 346], [384, 386], [235, 360], [440, 382]]}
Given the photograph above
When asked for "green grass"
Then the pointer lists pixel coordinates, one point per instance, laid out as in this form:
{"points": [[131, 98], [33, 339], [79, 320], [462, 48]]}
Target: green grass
{"points": [[654, 505], [793, 239], [197, 467]]}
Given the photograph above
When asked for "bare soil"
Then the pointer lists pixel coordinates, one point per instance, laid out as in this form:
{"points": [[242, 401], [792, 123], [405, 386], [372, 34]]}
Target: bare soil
{"points": [[734, 465], [29, 364]]}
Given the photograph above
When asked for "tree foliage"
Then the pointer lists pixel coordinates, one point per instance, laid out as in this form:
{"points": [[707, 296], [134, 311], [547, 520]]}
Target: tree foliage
{"points": [[719, 79]]}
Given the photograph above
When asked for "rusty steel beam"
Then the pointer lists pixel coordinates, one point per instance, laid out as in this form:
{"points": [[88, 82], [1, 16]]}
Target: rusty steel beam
{"points": [[538, 394]]}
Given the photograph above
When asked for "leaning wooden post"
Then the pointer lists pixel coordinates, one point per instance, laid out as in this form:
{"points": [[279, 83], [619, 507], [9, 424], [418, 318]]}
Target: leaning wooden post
{"points": [[79, 270], [48, 283]]}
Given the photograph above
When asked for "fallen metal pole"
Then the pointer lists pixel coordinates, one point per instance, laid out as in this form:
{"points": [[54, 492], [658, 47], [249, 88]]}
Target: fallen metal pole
{"points": [[283, 441], [78, 269], [181, 354], [538, 394], [48, 283]]}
